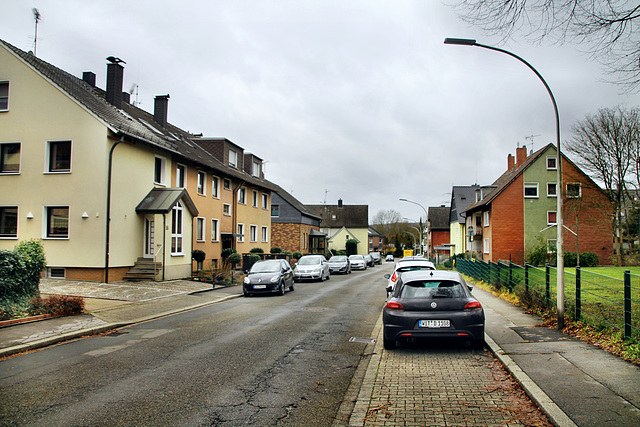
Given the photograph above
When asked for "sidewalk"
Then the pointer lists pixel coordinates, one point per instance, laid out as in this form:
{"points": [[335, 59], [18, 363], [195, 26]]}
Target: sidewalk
{"points": [[573, 382]]}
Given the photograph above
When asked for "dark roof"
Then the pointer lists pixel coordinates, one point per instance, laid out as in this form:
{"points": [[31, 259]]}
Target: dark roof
{"points": [[333, 216], [439, 218], [162, 200], [293, 201], [461, 197], [130, 121], [508, 177]]}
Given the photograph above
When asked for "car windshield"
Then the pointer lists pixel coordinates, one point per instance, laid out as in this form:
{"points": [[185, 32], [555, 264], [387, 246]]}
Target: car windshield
{"points": [[266, 267], [338, 258], [432, 289], [356, 257], [312, 260]]}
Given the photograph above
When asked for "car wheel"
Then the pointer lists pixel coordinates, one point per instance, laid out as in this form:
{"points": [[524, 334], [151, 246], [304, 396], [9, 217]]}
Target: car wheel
{"points": [[281, 290], [478, 344], [389, 344], [292, 287], [246, 294]]}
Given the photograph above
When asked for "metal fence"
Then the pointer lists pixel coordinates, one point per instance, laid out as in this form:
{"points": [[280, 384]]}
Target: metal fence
{"points": [[601, 301]]}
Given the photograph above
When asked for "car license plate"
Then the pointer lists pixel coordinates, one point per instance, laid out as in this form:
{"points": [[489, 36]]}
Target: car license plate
{"points": [[434, 323], [259, 286]]}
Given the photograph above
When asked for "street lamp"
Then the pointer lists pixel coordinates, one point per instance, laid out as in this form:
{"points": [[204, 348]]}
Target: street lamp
{"points": [[426, 218], [420, 231], [560, 225]]}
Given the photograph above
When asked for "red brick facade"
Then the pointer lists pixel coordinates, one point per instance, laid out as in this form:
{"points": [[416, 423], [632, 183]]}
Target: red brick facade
{"points": [[506, 225], [291, 237]]}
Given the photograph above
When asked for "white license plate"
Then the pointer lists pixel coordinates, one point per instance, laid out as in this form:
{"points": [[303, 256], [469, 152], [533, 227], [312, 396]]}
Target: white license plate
{"points": [[434, 324], [259, 286]]}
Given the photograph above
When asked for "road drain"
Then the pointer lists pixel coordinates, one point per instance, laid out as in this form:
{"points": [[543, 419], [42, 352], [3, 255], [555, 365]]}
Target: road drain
{"points": [[362, 340]]}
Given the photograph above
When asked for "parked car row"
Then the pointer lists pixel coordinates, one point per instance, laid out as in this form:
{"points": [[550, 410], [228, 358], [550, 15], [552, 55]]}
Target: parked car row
{"points": [[275, 276]]}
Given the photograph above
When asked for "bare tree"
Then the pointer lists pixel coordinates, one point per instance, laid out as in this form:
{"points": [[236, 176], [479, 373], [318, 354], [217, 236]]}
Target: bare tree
{"points": [[604, 28], [388, 223], [604, 145]]}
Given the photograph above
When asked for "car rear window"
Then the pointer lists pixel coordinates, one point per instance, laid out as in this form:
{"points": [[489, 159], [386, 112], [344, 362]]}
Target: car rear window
{"points": [[414, 267], [432, 289]]}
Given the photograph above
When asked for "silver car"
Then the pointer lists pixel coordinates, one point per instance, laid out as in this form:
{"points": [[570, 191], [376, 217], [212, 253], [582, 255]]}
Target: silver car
{"points": [[358, 262], [311, 267]]}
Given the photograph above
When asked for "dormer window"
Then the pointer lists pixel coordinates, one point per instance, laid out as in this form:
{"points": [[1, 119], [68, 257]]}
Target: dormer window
{"points": [[233, 158], [255, 171]]}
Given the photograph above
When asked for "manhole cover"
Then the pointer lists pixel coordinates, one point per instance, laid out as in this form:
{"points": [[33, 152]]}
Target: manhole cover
{"points": [[362, 340]]}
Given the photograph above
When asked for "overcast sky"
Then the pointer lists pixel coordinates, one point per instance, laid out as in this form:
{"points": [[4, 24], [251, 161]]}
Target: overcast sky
{"points": [[357, 100]]}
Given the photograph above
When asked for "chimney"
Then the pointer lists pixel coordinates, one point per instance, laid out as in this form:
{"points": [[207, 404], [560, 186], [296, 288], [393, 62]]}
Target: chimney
{"points": [[126, 97], [89, 77], [340, 203], [115, 76], [521, 155], [511, 162], [160, 109]]}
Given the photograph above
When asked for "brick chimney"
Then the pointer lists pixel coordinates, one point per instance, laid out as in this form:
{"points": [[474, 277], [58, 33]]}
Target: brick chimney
{"points": [[511, 162], [115, 77], [521, 155], [161, 109]]}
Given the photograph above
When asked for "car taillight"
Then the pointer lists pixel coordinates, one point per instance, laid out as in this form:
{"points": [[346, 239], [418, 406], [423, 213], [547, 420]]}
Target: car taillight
{"points": [[393, 305], [472, 305]]}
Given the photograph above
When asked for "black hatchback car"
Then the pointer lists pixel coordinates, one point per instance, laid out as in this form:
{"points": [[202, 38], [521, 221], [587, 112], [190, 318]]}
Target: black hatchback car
{"points": [[268, 276], [432, 305]]}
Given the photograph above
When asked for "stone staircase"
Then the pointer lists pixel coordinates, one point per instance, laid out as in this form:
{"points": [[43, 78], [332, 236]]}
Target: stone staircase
{"points": [[144, 269]]}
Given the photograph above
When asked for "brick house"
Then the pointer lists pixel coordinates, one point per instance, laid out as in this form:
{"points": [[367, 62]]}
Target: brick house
{"points": [[518, 211], [293, 227], [438, 232]]}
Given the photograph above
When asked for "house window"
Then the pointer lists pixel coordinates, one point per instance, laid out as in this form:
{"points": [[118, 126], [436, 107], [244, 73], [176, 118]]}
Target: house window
{"points": [[255, 199], [253, 233], [214, 187], [240, 233], [10, 157], [485, 220], [275, 210], [181, 176], [552, 218], [233, 158], [214, 230], [8, 222], [242, 196], [4, 96], [551, 246], [478, 221], [552, 189], [486, 246], [552, 163], [574, 190], [200, 229], [265, 201], [56, 273], [265, 234], [530, 190], [256, 169], [57, 222], [202, 183], [159, 171], [227, 184], [226, 209], [59, 156], [177, 229]]}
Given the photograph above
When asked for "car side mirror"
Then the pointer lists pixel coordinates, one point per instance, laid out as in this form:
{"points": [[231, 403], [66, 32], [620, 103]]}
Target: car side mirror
{"points": [[389, 289], [387, 276], [470, 288]]}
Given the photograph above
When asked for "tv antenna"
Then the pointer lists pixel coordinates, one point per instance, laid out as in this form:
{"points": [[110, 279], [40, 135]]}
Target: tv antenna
{"points": [[37, 17], [531, 138], [325, 195], [134, 89]]}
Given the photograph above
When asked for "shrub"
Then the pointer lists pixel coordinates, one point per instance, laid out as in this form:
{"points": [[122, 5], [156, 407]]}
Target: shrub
{"points": [[297, 255], [256, 251], [57, 305], [589, 259], [234, 259], [351, 247], [571, 259], [226, 252], [20, 270], [253, 258], [276, 250], [199, 255]]}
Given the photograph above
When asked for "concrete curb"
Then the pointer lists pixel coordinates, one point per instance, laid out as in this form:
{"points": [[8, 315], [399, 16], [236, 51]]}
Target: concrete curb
{"points": [[555, 414], [9, 351]]}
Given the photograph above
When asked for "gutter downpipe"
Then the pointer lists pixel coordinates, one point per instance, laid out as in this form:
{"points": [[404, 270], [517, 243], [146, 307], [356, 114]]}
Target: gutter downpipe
{"points": [[108, 226]]}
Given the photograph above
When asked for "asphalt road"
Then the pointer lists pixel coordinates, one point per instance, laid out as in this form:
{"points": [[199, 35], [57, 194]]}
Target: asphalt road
{"points": [[251, 361]]}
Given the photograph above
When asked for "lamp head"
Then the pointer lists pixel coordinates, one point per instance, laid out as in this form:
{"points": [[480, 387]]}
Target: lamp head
{"points": [[462, 42]]}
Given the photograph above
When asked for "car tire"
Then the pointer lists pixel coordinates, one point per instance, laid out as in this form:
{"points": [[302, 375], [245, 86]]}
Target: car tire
{"points": [[389, 344], [281, 289], [478, 344], [292, 287]]}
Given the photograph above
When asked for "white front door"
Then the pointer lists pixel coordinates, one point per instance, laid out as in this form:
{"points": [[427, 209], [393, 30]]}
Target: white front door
{"points": [[149, 237]]}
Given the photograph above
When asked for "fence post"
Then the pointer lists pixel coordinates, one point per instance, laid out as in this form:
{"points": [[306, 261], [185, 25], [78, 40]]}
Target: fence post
{"points": [[547, 283], [627, 304], [578, 293], [526, 278], [489, 273], [510, 286]]}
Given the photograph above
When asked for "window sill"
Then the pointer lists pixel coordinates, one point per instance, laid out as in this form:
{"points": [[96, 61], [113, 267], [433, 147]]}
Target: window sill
{"points": [[55, 238], [55, 172], [9, 173], [177, 254]]}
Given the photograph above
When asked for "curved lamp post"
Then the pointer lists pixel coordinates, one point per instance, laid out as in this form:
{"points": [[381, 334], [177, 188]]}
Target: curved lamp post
{"points": [[559, 225], [426, 217]]}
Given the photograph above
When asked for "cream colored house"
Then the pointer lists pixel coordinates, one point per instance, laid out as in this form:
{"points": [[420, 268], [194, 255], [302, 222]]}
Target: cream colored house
{"points": [[74, 156], [343, 222]]}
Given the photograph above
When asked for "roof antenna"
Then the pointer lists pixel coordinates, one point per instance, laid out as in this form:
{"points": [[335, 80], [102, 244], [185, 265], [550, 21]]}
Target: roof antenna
{"points": [[531, 138], [37, 17]]}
